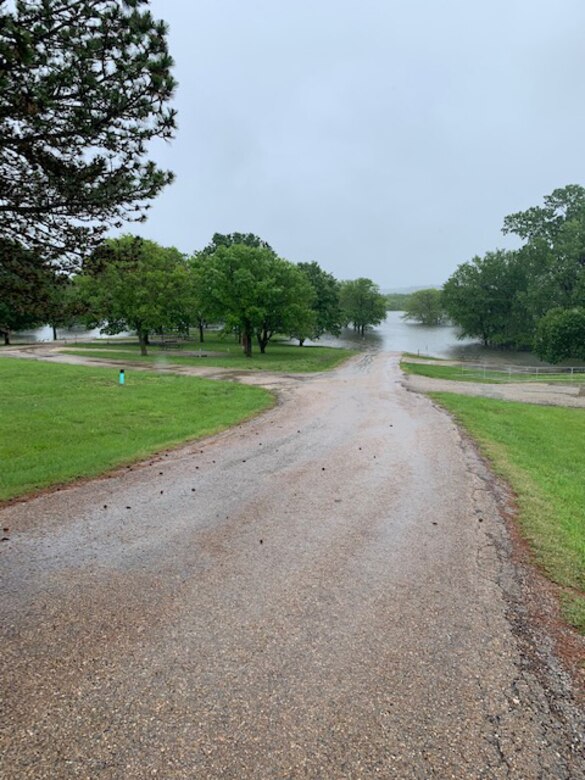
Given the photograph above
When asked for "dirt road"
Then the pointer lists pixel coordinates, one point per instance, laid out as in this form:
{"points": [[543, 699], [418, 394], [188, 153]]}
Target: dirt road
{"points": [[325, 592]]}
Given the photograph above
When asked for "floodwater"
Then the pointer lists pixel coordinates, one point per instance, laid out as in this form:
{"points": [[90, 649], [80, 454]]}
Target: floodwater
{"points": [[393, 335], [398, 335], [69, 334]]}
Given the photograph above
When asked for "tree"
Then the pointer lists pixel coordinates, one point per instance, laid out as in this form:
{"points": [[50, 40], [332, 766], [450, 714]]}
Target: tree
{"points": [[84, 86], [287, 303], [561, 335], [230, 239], [397, 301], [256, 292], [362, 303], [130, 283], [485, 298], [28, 283], [327, 312], [544, 222], [426, 307], [554, 250]]}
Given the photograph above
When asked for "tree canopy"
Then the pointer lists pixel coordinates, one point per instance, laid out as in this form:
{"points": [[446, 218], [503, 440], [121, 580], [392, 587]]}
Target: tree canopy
{"points": [[561, 334], [130, 283], [477, 297], [229, 239], [29, 287], [362, 304], [84, 86], [426, 307], [327, 312], [503, 297], [257, 292]]}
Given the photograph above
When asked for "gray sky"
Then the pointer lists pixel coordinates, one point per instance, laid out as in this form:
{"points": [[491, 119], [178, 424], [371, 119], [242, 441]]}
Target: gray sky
{"points": [[381, 138]]}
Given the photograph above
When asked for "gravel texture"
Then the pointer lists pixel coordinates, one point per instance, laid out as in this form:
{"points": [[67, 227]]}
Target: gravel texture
{"points": [[546, 394], [324, 592]]}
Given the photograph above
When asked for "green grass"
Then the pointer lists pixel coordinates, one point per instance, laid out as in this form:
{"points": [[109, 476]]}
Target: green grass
{"points": [[279, 357], [488, 376], [420, 357], [59, 422], [539, 451]]}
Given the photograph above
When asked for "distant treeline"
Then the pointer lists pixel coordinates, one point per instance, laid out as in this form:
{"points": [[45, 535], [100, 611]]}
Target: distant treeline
{"points": [[397, 301]]}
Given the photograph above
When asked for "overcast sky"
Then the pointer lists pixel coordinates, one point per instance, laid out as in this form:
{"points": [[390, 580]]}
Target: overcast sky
{"points": [[381, 138]]}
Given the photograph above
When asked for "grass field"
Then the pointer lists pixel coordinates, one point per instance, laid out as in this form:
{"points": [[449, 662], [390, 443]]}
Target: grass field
{"points": [[486, 376], [539, 450], [58, 422], [279, 357]]}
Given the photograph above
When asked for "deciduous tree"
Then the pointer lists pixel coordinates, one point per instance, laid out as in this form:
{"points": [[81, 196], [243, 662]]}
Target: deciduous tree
{"points": [[130, 283], [426, 307], [256, 292], [485, 298], [561, 335], [362, 303], [327, 312]]}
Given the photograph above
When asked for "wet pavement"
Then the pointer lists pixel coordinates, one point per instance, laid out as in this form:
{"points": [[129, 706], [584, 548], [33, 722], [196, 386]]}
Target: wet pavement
{"points": [[324, 592]]}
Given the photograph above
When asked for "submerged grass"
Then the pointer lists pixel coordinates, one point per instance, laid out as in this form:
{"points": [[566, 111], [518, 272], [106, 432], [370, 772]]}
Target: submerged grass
{"points": [[279, 357], [539, 450], [59, 422]]}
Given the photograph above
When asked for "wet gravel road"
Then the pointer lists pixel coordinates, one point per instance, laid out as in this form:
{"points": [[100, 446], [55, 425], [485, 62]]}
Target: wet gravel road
{"points": [[324, 592]]}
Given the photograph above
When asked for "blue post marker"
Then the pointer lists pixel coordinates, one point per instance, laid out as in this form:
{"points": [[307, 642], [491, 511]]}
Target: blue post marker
{"points": [[122, 377]]}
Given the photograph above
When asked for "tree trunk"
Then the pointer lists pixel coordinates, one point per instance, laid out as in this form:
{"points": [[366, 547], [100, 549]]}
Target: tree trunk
{"points": [[143, 341], [6, 338], [246, 336], [301, 342], [200, 331], [263, 337], [54, 332]]}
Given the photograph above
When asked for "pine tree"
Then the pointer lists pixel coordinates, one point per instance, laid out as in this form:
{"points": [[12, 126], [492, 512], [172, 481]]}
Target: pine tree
{"points": [[84, 86]]}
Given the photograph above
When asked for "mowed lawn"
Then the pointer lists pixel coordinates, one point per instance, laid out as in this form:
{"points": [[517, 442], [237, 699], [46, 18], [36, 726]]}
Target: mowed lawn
{"points": [[540, 451], [59, 422], [279, 357]]}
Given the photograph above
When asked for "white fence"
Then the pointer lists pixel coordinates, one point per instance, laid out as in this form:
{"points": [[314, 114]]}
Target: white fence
{"points": [[526, 373]]}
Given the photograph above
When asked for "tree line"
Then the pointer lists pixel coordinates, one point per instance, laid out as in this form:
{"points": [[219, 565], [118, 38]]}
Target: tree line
{"points": [[532, 297], [238, 280]]}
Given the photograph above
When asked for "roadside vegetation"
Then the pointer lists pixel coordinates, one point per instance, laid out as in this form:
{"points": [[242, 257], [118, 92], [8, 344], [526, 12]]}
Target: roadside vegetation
{"points": [[281, 357], [485, 376], [539, 451], [60, 423]]}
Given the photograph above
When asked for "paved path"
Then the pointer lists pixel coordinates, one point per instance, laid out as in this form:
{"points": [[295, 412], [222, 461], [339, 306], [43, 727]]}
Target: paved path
{"points": [[324, 592]]}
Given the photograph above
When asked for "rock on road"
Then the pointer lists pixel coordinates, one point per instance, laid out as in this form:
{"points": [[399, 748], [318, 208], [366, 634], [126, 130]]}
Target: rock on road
{"points": [[323, 592]]}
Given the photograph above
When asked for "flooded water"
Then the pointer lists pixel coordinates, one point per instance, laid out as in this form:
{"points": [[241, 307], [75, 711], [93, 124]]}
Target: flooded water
{"points": [[398, 335], [393, 335], [46, 334]]}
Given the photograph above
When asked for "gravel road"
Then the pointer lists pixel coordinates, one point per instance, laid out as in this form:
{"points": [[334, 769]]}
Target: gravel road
{"points": [[542, 393], [324, 592]]}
